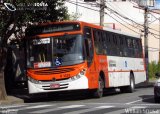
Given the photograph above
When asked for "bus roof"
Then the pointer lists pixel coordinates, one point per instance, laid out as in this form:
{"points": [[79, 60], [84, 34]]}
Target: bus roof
{"points": [[91, 25], [60, 22], [105, 28], [120, 32]]}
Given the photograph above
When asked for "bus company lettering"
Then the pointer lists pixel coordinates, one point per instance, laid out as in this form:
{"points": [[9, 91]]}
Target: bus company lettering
{"points": [[112, 63], [141, 63]]}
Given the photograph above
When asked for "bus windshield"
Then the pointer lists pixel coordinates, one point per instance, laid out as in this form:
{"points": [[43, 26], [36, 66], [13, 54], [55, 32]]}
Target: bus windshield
{"points": [[55, 51]]}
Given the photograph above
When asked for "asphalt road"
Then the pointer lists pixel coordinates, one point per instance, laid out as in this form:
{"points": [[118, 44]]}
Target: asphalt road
{"points": [[113, 102]]}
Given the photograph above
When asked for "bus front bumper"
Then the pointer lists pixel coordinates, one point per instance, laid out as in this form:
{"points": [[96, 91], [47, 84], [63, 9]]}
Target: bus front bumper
{"points": [[53, 86]]}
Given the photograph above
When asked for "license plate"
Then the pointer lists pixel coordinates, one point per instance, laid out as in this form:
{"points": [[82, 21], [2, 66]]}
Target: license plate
{"points": [[55, 86]]}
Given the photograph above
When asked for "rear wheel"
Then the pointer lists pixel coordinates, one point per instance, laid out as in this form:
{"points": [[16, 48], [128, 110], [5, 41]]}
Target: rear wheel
{"points": [[99, 91], [131, 87]]}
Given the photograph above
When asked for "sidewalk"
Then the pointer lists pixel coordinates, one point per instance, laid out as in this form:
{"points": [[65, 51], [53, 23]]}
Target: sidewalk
{"points": [[11, 100], [150, 83]]}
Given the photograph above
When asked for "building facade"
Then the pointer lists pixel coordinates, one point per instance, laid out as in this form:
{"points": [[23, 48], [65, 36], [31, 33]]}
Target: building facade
{"points": [[126, 15]]}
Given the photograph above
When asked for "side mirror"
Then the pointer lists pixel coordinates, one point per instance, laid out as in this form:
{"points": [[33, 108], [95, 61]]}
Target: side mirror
{"points": [[157, 75]]}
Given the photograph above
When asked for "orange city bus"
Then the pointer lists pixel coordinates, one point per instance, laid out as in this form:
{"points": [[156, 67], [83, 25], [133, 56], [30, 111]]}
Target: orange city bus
{"points": [[74, 55]]}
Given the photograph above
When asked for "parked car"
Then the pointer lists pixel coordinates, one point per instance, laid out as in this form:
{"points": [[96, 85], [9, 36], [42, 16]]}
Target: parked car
{"points": [[157, 88]]}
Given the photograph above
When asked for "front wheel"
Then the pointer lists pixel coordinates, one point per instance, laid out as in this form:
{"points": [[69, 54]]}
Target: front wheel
{"points": [[99, 91]]}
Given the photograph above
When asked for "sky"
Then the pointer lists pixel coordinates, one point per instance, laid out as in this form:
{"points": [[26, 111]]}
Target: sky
{"points": [[157, 4]]}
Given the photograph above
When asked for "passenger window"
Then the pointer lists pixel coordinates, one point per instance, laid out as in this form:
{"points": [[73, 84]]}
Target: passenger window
{"points": [[88, 44]]}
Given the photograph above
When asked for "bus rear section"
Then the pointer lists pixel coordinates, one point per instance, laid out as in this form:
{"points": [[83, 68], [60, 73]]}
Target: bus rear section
{"points": [[125, 60]]}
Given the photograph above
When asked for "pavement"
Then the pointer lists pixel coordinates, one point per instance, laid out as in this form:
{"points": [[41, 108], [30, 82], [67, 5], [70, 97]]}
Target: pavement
{"points": [[146, 84], [15, 100], [11, 100]]}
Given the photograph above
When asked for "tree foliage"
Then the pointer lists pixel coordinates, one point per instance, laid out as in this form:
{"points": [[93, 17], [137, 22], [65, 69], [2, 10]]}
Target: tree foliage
{"points": [[153, 68], [13, 21]]}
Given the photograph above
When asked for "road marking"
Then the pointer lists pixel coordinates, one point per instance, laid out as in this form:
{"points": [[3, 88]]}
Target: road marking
{"points": [[89, 110], [102, 107], [138, 107], [72, 106], [56, 109], [14, 106], [38, 106], [33, 107], [138, 100], [118, 111], [122, 104], [145, 104], [45, 111]]}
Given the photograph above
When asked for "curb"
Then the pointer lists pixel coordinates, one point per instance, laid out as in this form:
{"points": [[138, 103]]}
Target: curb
{"points": [[11, 100], [146, 84]]}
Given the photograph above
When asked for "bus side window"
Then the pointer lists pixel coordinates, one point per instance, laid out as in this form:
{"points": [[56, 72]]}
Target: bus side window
{"points": [[125, 47], [88, 44], [98, 41], [104, 43], [135, 48], [140, 47], [120, 39], [96, 38], [111, 44]]}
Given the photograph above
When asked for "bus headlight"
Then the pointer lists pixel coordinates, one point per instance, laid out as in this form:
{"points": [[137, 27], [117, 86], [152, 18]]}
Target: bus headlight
{"points": [[33, 80], [82, 73]]}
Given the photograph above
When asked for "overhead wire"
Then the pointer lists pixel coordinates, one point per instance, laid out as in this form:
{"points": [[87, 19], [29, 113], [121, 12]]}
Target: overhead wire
{"points": [[72, 2], [116, 13], [118, 16], [151, 14], [131, 20], [137, 23], [117, 7], [153, 34]]}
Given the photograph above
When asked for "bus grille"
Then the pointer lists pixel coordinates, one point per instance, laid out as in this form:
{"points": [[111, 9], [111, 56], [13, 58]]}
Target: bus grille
{"points": [[53, 71]]}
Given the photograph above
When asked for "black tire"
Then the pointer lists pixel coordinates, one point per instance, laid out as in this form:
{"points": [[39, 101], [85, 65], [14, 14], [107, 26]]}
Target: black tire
{"points": [[156, 99], [123, 89], [99, 91], [131, 87]]}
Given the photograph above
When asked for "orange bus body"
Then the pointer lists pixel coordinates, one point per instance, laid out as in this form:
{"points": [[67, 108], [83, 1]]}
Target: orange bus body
{"points": [[99, 66]]}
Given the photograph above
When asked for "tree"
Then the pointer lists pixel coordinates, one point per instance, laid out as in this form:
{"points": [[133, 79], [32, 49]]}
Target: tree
{"points": [[152, 69], [27, 12]]}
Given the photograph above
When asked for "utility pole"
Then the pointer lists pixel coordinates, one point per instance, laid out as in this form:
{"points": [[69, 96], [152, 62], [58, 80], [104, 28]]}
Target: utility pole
{"points": [[159, 40], [76, 7], [146, 40], [102, 6]]}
